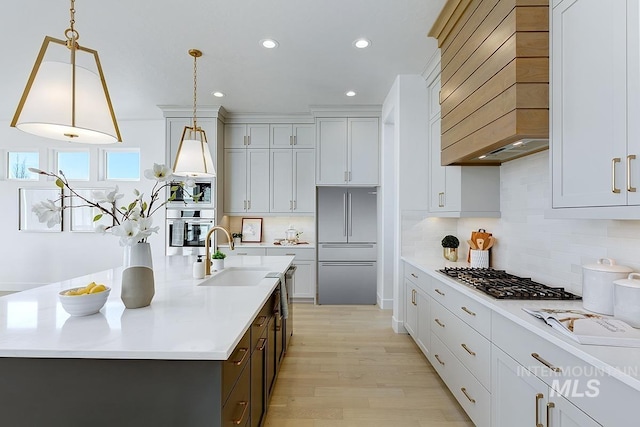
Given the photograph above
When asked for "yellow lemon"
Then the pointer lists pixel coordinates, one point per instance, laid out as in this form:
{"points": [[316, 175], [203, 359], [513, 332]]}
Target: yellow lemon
{"points": [[82, 291], [98, 288], [90, 286], [70, 292]]}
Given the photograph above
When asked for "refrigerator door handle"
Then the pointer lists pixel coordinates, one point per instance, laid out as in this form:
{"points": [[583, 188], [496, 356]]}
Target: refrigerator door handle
{"points": [[344, 246], [350, 225], [344, 209], [343, 264]]}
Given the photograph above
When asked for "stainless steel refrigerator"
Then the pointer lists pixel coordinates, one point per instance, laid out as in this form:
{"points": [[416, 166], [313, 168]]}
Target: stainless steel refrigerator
{"points": [[347, 236]]}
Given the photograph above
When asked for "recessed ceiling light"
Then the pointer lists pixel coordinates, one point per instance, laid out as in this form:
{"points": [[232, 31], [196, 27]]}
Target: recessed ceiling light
{"points": [[269, 43], [483, 156], [350, 93], [217, 94], [362, 43], [515, 144]]}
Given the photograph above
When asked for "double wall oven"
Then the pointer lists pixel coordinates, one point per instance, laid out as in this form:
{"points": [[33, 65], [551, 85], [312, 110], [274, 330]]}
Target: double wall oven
{"points": [[189, 220]]}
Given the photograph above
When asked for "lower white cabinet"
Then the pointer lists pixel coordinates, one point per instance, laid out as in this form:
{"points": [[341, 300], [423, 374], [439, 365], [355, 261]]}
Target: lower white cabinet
{"points": [[304, 285], [417, 307], [521, 398]]}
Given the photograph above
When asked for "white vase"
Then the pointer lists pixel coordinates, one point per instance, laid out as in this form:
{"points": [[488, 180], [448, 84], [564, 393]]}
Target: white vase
{"points": [[217, 264], [138, 286]]}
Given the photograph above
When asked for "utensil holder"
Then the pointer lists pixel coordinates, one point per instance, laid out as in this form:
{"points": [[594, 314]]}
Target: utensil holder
{"points": [[479, 259]]}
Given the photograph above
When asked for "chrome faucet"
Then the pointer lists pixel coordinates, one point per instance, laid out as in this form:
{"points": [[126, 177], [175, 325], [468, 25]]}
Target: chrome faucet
{"points": [[207, 246]]}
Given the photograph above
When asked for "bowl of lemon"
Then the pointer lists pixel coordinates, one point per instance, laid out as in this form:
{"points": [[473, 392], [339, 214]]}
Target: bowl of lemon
{"points": [[85, 300]]}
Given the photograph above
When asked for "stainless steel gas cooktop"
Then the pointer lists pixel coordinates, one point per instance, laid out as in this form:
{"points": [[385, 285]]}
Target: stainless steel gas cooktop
{"points": [[502, 285]]}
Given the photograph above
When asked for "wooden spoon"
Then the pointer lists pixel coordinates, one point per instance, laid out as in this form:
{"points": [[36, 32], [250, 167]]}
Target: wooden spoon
{"points": [[480, 243], [492, 241], [471, 244]]}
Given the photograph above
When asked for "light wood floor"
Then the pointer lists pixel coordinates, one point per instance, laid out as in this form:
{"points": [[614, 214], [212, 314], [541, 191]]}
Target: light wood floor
{"points": [[346, 367]]}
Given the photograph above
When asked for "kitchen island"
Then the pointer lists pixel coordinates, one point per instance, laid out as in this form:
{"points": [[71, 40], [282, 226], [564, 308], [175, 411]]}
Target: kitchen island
{"points": [[161, 365]]}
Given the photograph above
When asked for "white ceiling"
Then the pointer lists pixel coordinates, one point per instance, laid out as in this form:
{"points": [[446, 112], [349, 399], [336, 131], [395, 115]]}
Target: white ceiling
{"points": [[143, 47]]}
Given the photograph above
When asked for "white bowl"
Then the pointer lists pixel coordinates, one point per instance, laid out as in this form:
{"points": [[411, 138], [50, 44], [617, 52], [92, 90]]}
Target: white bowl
{"points": [[83, 305]]}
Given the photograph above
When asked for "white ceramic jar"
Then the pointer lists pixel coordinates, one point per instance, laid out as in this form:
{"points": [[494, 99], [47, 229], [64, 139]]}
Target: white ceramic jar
{"points": [[597, 284], [626, 299]]}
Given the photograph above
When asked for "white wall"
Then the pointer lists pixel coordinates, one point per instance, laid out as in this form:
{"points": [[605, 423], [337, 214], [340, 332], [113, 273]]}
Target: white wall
{"points": [[30, 259], [551, 251]]}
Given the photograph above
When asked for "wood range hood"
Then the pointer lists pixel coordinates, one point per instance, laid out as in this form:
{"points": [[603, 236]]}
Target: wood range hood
{"points": [[494, 93]]}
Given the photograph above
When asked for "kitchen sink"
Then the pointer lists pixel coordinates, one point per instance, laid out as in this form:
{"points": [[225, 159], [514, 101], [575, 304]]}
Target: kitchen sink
{"points": [[237, 276]]}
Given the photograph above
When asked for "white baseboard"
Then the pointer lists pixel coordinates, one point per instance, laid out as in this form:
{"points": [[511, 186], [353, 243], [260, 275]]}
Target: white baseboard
{"points": [[398, 326], [385, 304]]}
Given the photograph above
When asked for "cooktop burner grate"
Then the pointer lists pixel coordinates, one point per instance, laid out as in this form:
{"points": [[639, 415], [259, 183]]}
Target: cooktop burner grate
{"points": [[502, 285]]}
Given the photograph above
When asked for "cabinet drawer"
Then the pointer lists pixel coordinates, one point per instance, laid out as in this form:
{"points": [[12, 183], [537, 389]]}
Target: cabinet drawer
{"points": [[472, 349], [240, 251], [301, 254], [237, 410], [470, 311], [232, 367], [567, 374], [416, 276], [472, 396]]}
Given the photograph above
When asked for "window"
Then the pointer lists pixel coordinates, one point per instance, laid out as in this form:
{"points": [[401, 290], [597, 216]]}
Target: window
{"points": [[19, 163], [122, 165], [74, 164]]}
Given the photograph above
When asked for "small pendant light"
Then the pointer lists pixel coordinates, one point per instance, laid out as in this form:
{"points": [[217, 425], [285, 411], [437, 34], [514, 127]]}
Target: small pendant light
{"points": [[67, 100], [193, 157]]}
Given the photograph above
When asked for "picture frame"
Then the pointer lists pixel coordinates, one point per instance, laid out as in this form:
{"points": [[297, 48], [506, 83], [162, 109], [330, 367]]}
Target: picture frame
{"points": [[81, 217], [251, 230], [27, 219]]}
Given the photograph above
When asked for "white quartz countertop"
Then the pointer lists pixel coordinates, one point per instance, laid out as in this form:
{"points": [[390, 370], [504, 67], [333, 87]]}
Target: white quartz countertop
{"points": [[184, 321], [622, 363], [269, 245]]}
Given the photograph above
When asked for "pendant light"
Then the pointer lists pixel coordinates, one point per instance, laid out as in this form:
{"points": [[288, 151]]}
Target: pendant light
{"points": [[193, 157], [64, 99]]}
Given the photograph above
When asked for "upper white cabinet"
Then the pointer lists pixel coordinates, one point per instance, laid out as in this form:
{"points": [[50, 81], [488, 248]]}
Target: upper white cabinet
{"points": [[246, 135], [292, 181], [457, 191], [347, 151], [296, 136], [595, 97], [246, 180]]}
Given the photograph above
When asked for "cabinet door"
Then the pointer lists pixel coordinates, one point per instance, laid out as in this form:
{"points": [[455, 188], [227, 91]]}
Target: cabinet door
{"points": [[364, 151], [304, 136], [518, 397], [438, 172], [563, 413], [633, 99], [281, 180], [259, 380], [331, 152], [410, 309], [235, 180], [304, 195], [281, 136], [257, 180], [588, 81], [234, 136], [424, 315], [258, 136], [304, 285]]}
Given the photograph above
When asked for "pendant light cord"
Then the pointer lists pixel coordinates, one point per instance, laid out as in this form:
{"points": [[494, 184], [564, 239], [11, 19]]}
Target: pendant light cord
{"points": [[195, 86]]}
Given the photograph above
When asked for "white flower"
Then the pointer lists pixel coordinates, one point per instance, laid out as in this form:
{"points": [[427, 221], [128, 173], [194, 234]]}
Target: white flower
{"points": [[106, 197], [128, 231], [47, 211], [144, 224], [100, 228], [159, 172], [190, 183]]}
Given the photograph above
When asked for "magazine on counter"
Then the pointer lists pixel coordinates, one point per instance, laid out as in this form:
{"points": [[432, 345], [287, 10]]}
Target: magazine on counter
{"points": [[589, 328]]}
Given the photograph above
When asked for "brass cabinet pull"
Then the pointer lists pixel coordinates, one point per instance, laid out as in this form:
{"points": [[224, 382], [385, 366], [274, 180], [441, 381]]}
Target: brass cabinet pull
{"points": [[538, 397], [466, 310], [441, 200], [629, 187], [290, 205], [438, 359], [464, 391], [545, 363], [290, 139], [245, 406], [473, 353], [413, 296], [550, 406], [244, 352], [413, 275], [613, 175], [295, 205], [439, 322], [248, 139], [263, 343], [262, 322], [244, 140], [295, 140], [346, 177], [439, 291]]}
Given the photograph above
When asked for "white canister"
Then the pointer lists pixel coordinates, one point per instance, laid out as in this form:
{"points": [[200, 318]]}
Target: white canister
{"points": [[626, 299], [597, 284], [479, 259]]}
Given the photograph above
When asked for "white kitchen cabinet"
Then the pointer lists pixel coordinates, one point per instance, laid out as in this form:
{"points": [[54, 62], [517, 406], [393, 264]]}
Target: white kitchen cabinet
{"points": [[521, 398], [246, 135], [293, 136], [292, 184], [304, 286], [348, 151], [417, 307], [457, 191], [595, 144], [246, 183]]}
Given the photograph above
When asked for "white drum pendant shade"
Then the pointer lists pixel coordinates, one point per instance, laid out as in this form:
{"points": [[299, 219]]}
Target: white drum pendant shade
{"points": [[54, 106], [193, 157]]}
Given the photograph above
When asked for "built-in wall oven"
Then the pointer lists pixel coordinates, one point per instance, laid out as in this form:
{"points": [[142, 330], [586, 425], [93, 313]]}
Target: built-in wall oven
{"points": [[187, 229], [184, 196]]}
